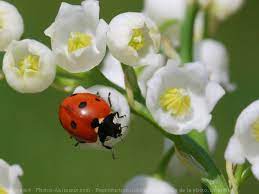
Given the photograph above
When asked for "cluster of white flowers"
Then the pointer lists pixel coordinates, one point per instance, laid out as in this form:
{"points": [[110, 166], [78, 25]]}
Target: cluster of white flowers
{"points": [[180, 97]]}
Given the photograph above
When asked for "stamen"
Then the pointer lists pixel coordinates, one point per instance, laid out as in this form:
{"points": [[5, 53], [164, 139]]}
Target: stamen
{"points": [[255, 130], [31, 62], [176, 101], [137, 40], [78, 40]]}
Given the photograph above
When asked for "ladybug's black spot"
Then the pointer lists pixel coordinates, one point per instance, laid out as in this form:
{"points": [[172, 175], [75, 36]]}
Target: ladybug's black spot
{"points": [[73, 124], [97, 99], [82, 104]]}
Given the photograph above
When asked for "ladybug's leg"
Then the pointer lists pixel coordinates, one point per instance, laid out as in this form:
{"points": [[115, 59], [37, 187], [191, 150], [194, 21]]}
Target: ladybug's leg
{"points": [[78, 142], [118, 115], [109, 99]]}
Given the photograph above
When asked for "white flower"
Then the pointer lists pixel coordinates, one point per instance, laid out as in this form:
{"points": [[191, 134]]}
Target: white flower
{"points": [[146, 70], [78, 36], [165, 10], [244, 144], [181, 99], [176, 167], [132, 37], [9, 178], [11, 24], [168, 14], [214, 56], [222, 9], [112, 70], [118, 104], [148, 185], [29, 66]]}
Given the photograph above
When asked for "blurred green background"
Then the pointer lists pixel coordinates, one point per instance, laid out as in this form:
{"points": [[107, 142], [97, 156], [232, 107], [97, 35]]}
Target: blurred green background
{"points": [[32, 136]]}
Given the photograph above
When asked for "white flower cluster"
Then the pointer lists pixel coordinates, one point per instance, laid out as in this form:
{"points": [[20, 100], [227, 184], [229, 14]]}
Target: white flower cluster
{"points": [[180, 96]]}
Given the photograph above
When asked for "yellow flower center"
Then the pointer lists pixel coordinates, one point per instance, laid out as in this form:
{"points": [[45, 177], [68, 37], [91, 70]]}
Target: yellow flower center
{"points": [[78, 40], [176, 101], [30, 62], [137, 40], [3, 191], [255, 130]]}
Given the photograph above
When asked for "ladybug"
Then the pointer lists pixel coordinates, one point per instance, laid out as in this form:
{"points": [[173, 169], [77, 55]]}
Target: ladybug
{"points": [[88, 118]]}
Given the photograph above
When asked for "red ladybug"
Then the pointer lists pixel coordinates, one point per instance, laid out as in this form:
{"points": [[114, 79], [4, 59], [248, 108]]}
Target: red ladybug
{"points": [[87, 117]]}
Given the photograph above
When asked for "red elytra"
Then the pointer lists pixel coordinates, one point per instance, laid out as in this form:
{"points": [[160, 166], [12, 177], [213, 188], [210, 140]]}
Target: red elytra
{"points": [[77, 112]]}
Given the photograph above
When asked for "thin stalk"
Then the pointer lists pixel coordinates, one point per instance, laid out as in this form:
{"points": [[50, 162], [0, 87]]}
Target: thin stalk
{"points": [[161, 170], [187, 31]]}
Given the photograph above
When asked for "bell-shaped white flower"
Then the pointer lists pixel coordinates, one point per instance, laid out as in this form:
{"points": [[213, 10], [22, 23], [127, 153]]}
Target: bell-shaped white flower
{"points": [[132, 37], [167, 14], [112, 70], [148, 185], [176, 166], [78, 36], [118, 104], [244, 144], [181, 99], [214, 56], [11, 24], [165, 10], [222, 9], [9, 178], [147, 69], [29, 66]]}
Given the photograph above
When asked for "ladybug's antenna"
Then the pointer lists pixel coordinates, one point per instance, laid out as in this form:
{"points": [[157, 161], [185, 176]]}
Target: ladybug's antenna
{"points": [[109, 99]]}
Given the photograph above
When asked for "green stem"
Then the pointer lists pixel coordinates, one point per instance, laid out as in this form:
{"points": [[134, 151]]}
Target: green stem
{"points": [[161, 170], [187, 31]]}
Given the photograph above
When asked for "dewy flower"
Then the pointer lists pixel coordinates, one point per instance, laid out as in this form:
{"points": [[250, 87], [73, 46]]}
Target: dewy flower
{"points": [[119, 104], [29, 66], [176, 166], [9, 178], [78, 36], [11, 24], [181, 99], [148, 185], [214, 56], [132, 37], [244, 144]]}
